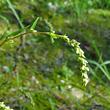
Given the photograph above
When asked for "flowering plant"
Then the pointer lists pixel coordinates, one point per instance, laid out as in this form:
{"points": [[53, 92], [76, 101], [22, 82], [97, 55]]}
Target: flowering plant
{"points": [[2, 106], [73, 43]]}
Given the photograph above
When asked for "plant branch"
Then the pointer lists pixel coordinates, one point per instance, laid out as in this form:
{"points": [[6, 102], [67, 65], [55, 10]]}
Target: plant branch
{"points": [[6, 40]]}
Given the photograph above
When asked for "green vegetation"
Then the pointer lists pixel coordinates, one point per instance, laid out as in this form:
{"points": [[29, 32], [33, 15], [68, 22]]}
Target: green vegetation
{"points": [[38, 72]]}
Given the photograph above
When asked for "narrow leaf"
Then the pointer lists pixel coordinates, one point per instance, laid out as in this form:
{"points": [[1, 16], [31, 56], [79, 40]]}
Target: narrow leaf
{"points": [[3, 36], [101, 68], [12, 8], [105, 63], [34, 24], [17, 32], [95, 75]]}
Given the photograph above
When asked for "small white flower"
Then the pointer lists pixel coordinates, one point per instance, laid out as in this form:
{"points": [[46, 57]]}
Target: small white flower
{"points": [[68, 39], [85, 75], [84, 64], [2, 105], [83, 67], [86, 61], [53, 32], [88, 80], [83, 55], [69, 86], [81, 51], [32, 30], [65, 36], [62, 81], [7, 107], [72, 44], [83, 60], [77, 50], [87, 69]]}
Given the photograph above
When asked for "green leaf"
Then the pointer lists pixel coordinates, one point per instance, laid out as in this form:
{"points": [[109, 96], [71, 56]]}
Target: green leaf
{"points": [[105, 63], [16, 32], [95, 75], [3, 36], [101, 68], [34, 24], [16, 15]]}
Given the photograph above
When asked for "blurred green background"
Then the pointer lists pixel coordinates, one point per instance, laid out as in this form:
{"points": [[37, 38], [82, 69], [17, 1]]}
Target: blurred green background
{"points": [[46, 75]]}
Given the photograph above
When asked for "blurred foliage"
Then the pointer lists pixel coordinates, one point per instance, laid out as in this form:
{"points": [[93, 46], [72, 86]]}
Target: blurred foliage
{"points": [[38, 74]]}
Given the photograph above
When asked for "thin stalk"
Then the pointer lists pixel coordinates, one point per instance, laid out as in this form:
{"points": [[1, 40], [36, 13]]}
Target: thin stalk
{"points": [[6, 40]]}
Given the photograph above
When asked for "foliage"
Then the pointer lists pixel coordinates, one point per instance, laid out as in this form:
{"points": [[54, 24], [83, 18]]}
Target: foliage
{"points": [[72, 43], [2, 106], [46, 75]]}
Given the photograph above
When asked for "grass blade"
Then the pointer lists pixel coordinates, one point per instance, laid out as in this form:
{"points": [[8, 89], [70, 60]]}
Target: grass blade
{"points": [[99, 66], [105, 63], [12, 8], [92, 71]]}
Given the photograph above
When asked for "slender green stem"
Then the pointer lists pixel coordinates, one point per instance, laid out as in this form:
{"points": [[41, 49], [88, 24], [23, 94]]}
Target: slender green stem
{"points": [[6, 40], [3, 42]]}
